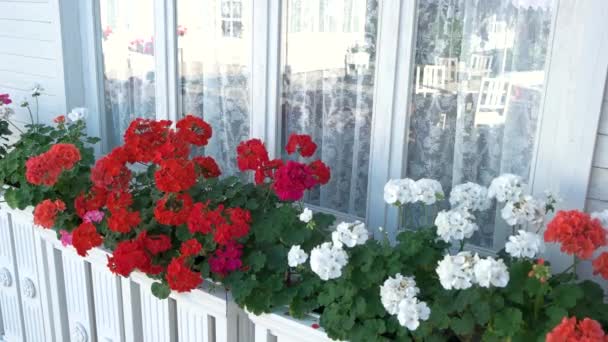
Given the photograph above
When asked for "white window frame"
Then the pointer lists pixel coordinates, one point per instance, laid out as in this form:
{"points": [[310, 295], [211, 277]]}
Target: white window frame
{"points": [[393, 85]]}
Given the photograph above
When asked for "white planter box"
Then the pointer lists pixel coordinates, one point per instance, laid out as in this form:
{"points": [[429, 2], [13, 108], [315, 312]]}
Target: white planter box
{"points": [[49, 293]]}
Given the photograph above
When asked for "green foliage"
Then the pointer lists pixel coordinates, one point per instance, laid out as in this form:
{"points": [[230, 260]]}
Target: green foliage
{"points": [[5, 132]]}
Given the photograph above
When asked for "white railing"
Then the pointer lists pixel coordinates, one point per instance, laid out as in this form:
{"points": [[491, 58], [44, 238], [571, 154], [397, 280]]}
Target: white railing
{"points": [[49, 293]]}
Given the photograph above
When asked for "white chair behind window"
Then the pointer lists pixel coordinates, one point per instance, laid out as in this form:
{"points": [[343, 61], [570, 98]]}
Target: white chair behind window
{"points": [[431, 80], [481, 65], [493, 101], [451, 65]]}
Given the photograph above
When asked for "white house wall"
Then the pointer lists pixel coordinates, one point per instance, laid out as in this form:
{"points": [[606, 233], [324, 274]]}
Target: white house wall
{"points": [[30, 53]]}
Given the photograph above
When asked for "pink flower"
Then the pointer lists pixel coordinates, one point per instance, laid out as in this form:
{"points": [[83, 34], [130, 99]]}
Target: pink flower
{"points": [[291, 180], [66, 238], [93, 216], [5, 99]]}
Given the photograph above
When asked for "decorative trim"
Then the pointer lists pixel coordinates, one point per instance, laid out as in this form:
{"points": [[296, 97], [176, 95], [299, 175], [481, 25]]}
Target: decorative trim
{"points": [[6, 278], [28, 288], [79, 333]]}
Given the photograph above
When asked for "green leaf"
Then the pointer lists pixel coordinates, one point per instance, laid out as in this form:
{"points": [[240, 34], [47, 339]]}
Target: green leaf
{"points": [[182, 233], [160, 290], [566, 295], [464, 325], [508, 322]]}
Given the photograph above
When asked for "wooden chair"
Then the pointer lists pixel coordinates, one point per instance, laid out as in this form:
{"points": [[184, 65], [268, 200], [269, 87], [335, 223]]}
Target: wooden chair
{"points": [[431, 80], [480, 66], [493, 101], [451, 65]]}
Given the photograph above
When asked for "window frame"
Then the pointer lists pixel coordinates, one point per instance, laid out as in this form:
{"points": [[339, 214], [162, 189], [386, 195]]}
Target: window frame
{"points": [[394, 77]]}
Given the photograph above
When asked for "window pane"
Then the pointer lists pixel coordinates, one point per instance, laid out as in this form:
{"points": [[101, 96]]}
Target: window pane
{"points": [[479, 77], [214, 53], [128, 55], [328, 86]]}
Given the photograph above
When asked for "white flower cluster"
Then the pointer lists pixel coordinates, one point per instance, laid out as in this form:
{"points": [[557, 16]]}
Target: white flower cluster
{"points": [[296, 256], [470, 196], [525, 210], [350, 234], [524, 245], [306, 215], [402, 191], [77, 114], [506, 188], [398, 296], [327, 261], [602, 216], [5, 112], [455, 225], [464, 269]]}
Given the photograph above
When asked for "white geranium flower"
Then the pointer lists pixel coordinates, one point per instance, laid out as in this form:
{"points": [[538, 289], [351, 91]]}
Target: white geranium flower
{"points": [[602, 216], [470, 196], [37, 89], [491, 272], [526, 210], [411, 312], [296, 256], [350, 234], [327, 261], [306, 215], [77, 114], [456, 271], [506, 188], [428, 191], [399, 191], [524, 245], [6, 112], [455, 225], [396, 289]]}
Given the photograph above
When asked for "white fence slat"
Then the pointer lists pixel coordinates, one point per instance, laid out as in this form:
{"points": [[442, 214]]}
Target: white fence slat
{"points": [[57, 291], [12, 321], [31, 279], [157, 317], [107, 297], [78, 296]]}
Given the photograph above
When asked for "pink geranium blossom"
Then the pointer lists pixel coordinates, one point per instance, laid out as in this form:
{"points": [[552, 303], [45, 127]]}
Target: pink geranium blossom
{"points": [[66, 238], [94, 216]]}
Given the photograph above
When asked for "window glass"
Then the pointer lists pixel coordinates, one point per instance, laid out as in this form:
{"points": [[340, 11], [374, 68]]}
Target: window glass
{"points": [[479, 76], [328, 67], [128, 60], [214, 54]]}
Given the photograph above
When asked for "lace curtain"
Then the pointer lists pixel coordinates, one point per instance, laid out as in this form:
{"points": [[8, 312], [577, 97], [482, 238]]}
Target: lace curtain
{"points": [[128, 56], [327, 91], [466, 52], [214, 52]]}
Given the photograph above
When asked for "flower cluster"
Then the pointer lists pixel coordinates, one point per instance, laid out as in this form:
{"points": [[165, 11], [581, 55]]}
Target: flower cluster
{"points": [[135, 254], [572, 330], [350, 234], [225, 225], [455, 224], [525, 210], [464, 269], [470, 196], [506, 188], [403, 191], [288, 180], [600, 265], [296, 256], [577, 232], [5, 110], [399, 297], [45, 169], [46, 212], [524, 245], [226, 259], [327, 261]]}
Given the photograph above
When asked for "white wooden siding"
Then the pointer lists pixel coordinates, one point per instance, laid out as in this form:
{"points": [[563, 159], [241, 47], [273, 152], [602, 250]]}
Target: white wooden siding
{"points": [[597, 197], [30, 53]]}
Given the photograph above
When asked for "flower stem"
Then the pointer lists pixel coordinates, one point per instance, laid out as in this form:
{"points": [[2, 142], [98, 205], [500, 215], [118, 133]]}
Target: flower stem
{"points": [[15, 126], [400, 210]]}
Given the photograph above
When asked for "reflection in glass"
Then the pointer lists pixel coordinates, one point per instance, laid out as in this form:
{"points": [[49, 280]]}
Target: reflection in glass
{"points": [[479, 76], [214, 71], [128, 60], [328, 82]]}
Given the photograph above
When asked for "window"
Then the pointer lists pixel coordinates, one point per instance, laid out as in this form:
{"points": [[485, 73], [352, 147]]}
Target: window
{"points": [[128, 63], [479, 76], [232, 25], [329, 95], [443, 89], [214, 74]]}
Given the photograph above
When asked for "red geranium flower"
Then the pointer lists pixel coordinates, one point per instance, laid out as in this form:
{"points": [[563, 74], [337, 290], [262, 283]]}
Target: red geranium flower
{"points": [[46, 168], [240, 219], [202, 220], [194, 130], [291, 180], [320, 171], [251, 154], [173, 210], [144, 137], [302, 143], [93, 200], [577, 233], [128, 256], [180, 277], [600, 265], [122, 220], [175, 175], [110, 172], [119, 199], [66, 155], [207, 167], [190, 248], [46, 212], [85, 237], [267, 170], [154, 244], [587, 330], [59, 119]]}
